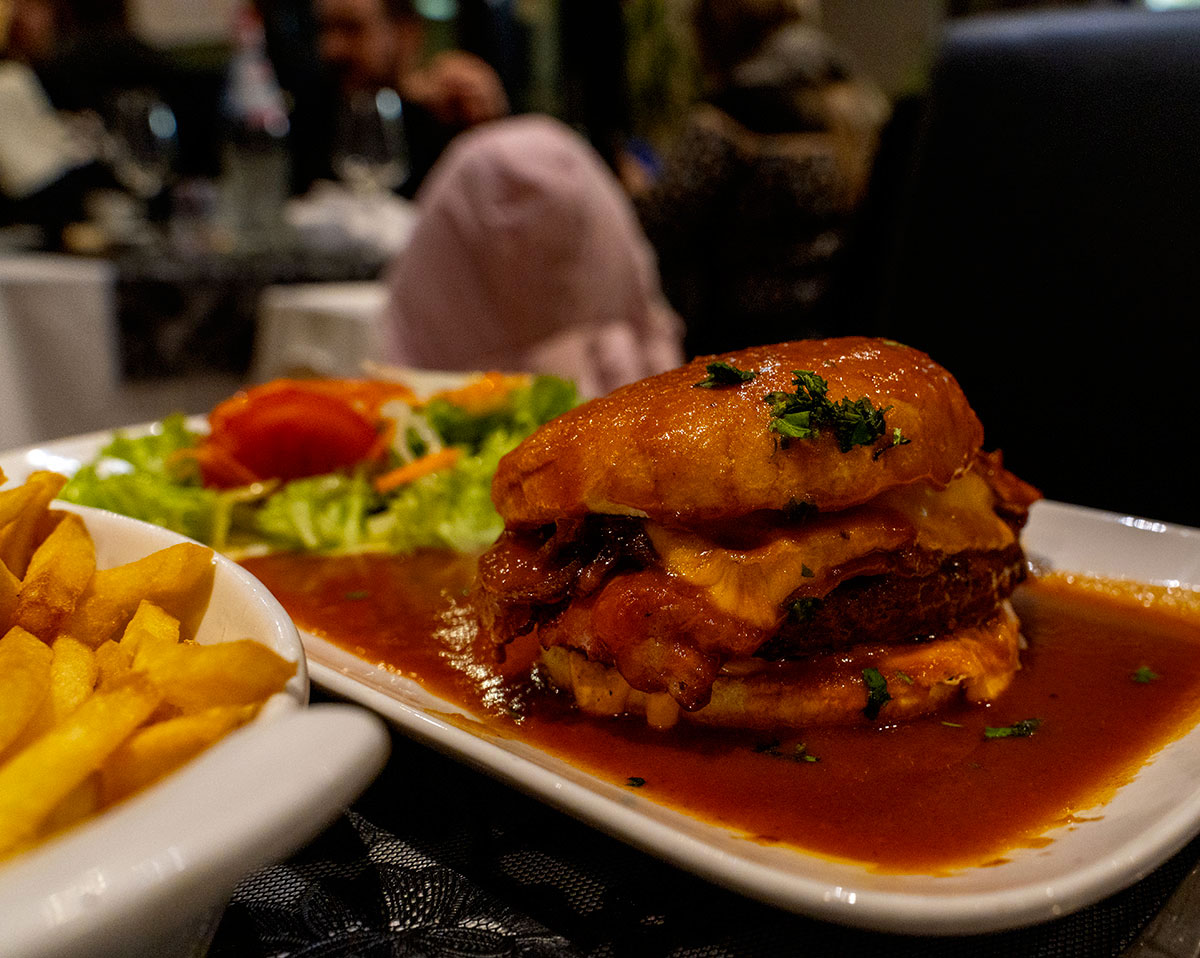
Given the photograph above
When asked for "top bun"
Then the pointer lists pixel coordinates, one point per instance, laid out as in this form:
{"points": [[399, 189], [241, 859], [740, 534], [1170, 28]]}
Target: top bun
{"points": [[664, 448]]}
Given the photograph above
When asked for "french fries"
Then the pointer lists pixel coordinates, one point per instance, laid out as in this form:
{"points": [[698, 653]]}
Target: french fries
{"points": [[59, 571], [103, 690]]}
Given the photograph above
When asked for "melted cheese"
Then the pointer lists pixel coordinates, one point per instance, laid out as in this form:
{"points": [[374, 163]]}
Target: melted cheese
{"points": [[961, 516], [752, 584]]}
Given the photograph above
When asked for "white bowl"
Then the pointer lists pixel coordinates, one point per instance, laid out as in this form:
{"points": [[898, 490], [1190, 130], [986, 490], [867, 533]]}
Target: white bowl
{"points": [[151, 876]]}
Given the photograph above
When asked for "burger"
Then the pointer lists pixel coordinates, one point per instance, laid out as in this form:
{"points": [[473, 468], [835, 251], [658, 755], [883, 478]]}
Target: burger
{"points": [[784, 536]]}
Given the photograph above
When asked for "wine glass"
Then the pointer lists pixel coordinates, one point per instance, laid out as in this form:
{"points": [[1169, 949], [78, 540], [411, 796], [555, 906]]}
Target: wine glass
{"points": [[143, 142], [371, 152]]}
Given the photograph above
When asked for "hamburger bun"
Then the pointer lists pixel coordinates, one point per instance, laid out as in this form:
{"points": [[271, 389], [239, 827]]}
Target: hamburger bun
{"points": [[663, 447]]}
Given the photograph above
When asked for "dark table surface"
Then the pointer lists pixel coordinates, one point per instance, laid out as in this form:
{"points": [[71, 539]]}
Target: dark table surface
{"points": [[436, 859], [180, 312]]}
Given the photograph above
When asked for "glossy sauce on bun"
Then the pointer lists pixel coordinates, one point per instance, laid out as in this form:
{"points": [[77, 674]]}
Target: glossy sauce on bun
{"points": [[663, 447]]}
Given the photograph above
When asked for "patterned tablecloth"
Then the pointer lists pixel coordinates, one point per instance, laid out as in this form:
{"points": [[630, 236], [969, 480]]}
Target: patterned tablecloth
{"points": [[437, 859]]}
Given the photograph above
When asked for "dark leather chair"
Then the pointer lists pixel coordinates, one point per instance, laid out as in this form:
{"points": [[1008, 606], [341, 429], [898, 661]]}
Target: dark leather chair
{"points": [[1036, 227]]}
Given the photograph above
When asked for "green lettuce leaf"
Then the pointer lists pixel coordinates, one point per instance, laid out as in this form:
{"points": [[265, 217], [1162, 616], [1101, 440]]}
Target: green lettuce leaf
{"points": [[320, 514], [527, 408], [340, 512], [133, 475], [449, 509]]}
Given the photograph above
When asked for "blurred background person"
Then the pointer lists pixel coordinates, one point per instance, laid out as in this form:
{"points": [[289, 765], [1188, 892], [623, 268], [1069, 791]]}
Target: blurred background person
{"points": [[85, 54], [45, 170], [366, 46], [756, 194], [527, 256], [62, 67], [30, 30]]}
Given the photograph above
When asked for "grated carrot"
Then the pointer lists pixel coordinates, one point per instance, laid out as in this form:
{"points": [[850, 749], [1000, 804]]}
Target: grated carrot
{"points": [[485, 393], [402, 475]]}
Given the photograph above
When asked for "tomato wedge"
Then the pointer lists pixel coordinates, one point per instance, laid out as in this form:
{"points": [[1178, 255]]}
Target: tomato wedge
{"points": [[289, 429]]}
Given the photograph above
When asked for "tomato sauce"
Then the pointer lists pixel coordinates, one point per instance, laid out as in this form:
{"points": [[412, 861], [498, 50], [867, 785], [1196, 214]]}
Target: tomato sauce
{"points": [[1111, 675]]}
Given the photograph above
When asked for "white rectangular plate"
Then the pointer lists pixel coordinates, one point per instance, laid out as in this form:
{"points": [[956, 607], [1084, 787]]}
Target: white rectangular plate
{"points": [[1145, 823]]}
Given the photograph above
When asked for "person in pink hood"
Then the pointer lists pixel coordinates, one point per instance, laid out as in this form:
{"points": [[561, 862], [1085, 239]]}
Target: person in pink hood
{"points": [[527, 256]]}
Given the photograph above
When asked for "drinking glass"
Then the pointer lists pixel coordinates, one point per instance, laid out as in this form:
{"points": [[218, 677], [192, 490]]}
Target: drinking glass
{"points": [[143, 142], [371, 153]]}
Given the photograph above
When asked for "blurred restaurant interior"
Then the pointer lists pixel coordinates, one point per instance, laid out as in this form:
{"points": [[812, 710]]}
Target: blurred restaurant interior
{"points": [[1027, 219], [197, 196]]}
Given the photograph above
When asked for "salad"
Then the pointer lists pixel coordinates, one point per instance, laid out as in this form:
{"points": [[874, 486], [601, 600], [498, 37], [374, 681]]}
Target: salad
{"points": [[327, 466]]}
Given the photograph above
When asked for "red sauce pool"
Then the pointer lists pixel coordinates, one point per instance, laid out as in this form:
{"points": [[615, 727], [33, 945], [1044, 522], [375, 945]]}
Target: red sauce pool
{"points": [[1111, 681]]}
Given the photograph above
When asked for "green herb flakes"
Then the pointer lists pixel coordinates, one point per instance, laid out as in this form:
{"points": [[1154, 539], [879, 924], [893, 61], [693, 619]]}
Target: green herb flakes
{"points": [[797, 753], [803, 610], [1021, 729], [722, 374], [804, 413], [877, 693]]}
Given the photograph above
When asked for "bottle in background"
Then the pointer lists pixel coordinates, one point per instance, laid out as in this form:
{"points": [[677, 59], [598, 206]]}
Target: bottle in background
{"points": [[255, 166]]}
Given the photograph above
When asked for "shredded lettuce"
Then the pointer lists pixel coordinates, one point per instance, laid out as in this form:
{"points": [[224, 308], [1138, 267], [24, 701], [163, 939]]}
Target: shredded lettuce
{"points": [[142, 476], [527, 407], [320, 514], [152, 453], [134, 476], [450, 509]]}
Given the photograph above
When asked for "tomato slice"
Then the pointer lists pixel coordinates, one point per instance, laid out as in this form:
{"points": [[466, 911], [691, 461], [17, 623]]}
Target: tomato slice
{"points": [[289, 432]]}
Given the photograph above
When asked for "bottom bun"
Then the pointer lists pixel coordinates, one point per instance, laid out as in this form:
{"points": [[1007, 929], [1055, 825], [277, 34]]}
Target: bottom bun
{"points": [[824, 689]]}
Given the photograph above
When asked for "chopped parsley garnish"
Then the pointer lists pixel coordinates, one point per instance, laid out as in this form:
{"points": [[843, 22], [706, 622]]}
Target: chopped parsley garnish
{"points": [[804, 413], [898, 439], [798, 753], [806, 572], [802, 610], [1145, 675], [1021, 729], [721, 374], [877, 692], [905, 678], [356, 595], [635, 782]]}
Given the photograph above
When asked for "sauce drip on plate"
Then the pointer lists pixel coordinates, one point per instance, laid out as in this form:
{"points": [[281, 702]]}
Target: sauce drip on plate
{"points": [[1111, 676]]}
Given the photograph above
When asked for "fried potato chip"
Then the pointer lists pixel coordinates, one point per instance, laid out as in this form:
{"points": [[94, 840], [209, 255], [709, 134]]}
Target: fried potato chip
{"points": [[14, 501], [35, 780], [194, 677], [60, 569], [80, 803], [10, 585], [178, 578], [103, 690], [24, 681], [149, 632], [112, 663], [72, 678], [20, 536], [73, 674], [157, 750]]}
